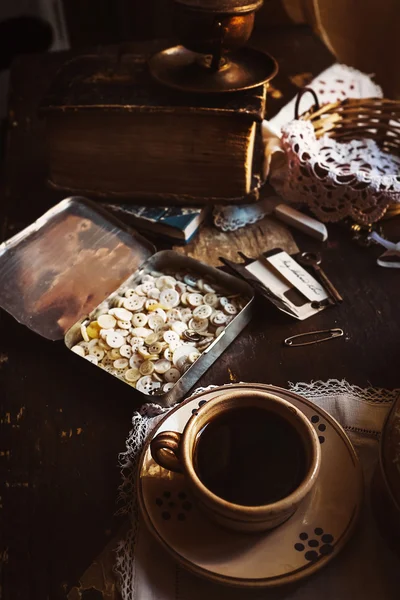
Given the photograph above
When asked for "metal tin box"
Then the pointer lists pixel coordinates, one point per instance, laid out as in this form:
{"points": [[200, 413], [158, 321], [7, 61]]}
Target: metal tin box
{"points": [[56, 272]]}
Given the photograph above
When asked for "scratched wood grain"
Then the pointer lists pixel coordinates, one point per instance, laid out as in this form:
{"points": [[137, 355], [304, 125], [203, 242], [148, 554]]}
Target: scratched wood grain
{"points": [[211, 243]]}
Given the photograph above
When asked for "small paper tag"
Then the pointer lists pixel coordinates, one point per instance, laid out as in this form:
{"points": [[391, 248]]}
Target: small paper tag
{"points": [[297, 276]]}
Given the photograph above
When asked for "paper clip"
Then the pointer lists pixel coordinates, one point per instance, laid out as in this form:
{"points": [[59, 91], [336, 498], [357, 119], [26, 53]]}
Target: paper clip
{"points": [[334, 333]]}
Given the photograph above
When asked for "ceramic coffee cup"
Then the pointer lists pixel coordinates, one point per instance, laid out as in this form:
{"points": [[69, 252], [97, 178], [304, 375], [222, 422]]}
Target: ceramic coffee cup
{"points": [[254, 445]]}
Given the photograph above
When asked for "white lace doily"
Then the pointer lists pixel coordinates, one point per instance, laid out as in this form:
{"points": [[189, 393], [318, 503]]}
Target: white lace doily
{"points": [[369, 571], [335, 83], [335, 179]]}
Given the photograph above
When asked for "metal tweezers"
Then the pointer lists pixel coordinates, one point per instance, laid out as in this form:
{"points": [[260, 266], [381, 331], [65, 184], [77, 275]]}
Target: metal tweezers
{"points": [[333, 333]]}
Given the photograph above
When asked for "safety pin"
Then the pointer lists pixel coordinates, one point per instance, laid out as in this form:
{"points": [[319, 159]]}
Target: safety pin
{"points": [[334, 333]]}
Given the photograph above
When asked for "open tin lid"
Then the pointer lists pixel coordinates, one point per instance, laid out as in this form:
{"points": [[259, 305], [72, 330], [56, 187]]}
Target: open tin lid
{"points": [[65, 264]]}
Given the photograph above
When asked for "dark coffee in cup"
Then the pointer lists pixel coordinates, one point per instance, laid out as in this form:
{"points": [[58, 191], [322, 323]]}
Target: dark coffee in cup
{"points": [[250, 456]]}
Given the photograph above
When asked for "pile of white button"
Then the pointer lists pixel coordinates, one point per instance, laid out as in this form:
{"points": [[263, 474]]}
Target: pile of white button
{"points": [[152, 333]]}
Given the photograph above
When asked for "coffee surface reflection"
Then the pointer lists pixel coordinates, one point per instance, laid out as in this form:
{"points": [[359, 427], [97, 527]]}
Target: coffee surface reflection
{"points": [[250, 456]]}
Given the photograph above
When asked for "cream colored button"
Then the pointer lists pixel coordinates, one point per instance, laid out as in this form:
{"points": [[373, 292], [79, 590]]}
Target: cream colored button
{"points": [[161, 313], [139, 320], [114, 340], [107, 321], [154, 293], [139, 290], [79, 351], [103, 344], [126, 351], [195, 299], [97, 352], [219, 318], [121, 363], [211, 299], [198, 324], [146, 368], [155, 322], [146, 385], [136, 341], [208, 288], [184, 299], [129, 293], [149, 303], [152, 339], [182, 351], [115, 353], [84, 333], [124, 324], [172, 375], [93, 343], [171, 337], [203, 312], [193, 356], [165, 282], [144, 353], [230, 309], [92, 359], [123, 332], [169, 298], [135, 360], [168, 354], [134, 303], [147, 286], [173, 315], [155, 348], [162, 365], [167, 387], [179, 327], [132, 375], [141, 332], [122, 314], [105, 332]]}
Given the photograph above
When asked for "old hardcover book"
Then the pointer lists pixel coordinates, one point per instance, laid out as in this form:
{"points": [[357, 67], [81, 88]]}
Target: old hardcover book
{"points": [[114, 132]]}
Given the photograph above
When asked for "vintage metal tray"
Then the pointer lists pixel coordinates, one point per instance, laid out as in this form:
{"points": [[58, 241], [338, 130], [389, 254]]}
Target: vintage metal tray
{"points": [[55, 273]]}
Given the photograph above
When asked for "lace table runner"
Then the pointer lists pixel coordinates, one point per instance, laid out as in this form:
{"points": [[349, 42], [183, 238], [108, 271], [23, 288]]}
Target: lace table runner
{"points": [[365, 570]]}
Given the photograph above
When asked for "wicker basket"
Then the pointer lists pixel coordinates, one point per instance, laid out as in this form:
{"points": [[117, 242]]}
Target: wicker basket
{"points": [[352, 119], [374, 118]]}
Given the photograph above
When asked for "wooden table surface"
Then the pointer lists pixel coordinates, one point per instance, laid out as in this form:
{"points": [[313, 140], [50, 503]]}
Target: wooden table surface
{"points": [[62, 424]]}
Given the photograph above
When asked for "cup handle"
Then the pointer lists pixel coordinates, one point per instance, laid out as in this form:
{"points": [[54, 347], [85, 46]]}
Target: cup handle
{"points": [[164, 449]]}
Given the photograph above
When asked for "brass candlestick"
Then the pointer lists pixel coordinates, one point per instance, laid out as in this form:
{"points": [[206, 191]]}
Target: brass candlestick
{"points": [[213, 56]]}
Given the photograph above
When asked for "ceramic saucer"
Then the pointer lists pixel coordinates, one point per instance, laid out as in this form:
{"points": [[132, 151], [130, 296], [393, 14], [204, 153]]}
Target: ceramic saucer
{"points": [[299, 547]]}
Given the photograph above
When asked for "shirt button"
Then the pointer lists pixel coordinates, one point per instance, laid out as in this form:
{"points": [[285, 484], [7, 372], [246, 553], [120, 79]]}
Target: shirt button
{"points": [[172, 375], [195, 299], [169, 298], [126, 351], [203, 312], [146, 368], [139, 320], [114, 340], [107, 321], [78, 350], [132, 375], [121, 363], [162, 366]]}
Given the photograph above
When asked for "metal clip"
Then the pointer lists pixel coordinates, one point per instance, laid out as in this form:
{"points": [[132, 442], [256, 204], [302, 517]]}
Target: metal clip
{"points": [[334, 333]]}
